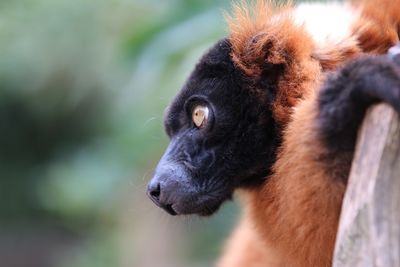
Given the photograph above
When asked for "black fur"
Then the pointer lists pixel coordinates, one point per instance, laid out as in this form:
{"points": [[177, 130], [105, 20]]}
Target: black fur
{"points": [[346, 96], [202, 167]]}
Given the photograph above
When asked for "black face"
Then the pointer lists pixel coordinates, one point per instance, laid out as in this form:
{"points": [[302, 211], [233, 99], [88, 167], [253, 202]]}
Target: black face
{"points": [[222, 137]]}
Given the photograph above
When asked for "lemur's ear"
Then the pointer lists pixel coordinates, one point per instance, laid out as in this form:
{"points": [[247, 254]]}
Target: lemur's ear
{"points": [[263, 36], [261, 51], [274, 52]]}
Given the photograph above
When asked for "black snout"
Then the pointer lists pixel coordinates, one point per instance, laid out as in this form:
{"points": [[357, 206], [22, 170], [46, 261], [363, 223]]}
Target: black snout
{"points": [[176, 189], [160, 195]]}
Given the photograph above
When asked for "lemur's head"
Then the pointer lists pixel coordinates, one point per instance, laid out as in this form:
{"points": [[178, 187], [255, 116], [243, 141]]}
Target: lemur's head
{"points": [[225, 124], [223, 136]]}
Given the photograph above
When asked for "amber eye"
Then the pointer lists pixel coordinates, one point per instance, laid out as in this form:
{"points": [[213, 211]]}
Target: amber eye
{"points": [[200, 116]]}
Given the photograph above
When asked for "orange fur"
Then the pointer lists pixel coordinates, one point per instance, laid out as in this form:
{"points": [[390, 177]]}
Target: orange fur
{"points": [[258, 40], [291, 220], [332, 56], [379, 26], [375, 31], [298, 209], [246, 238]]}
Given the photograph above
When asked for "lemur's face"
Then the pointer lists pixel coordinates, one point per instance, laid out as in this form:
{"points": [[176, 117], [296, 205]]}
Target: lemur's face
{"points": [[222, 137]]}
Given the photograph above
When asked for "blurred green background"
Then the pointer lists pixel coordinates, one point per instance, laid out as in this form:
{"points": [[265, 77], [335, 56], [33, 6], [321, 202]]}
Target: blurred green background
{"points": [[83, 87]]}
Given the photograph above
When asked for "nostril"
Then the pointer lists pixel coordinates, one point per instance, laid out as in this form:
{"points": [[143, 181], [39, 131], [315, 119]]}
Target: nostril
{"points": [[155, 192]]}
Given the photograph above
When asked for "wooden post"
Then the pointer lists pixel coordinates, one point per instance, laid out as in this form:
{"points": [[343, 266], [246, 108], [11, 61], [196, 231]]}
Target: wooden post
{"points": [[369, 229]]}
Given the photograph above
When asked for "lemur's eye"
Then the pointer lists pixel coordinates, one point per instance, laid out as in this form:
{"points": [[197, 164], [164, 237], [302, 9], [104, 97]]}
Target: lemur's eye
{"points": [[200, 116]]}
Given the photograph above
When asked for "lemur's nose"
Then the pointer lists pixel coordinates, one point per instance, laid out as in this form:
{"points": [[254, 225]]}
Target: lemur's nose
{"points": [[155, 193]]}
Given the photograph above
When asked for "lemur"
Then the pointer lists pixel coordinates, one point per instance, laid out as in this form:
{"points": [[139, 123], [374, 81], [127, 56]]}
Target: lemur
{"points": [[272, 112]]}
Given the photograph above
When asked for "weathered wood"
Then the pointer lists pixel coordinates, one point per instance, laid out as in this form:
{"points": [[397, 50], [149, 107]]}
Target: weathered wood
{"points": [[369, 230]]}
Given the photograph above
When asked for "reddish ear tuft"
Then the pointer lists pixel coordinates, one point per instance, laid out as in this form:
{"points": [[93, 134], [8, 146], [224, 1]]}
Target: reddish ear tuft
{"points": [[262, 34]]}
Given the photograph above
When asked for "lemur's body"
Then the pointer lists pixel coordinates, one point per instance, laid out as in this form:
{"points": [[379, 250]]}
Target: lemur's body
{"points": [[296, 123]]}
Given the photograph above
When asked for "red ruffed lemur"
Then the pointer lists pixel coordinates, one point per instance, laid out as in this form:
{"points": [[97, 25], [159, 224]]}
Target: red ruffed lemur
{"points": [[272, 111]]}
